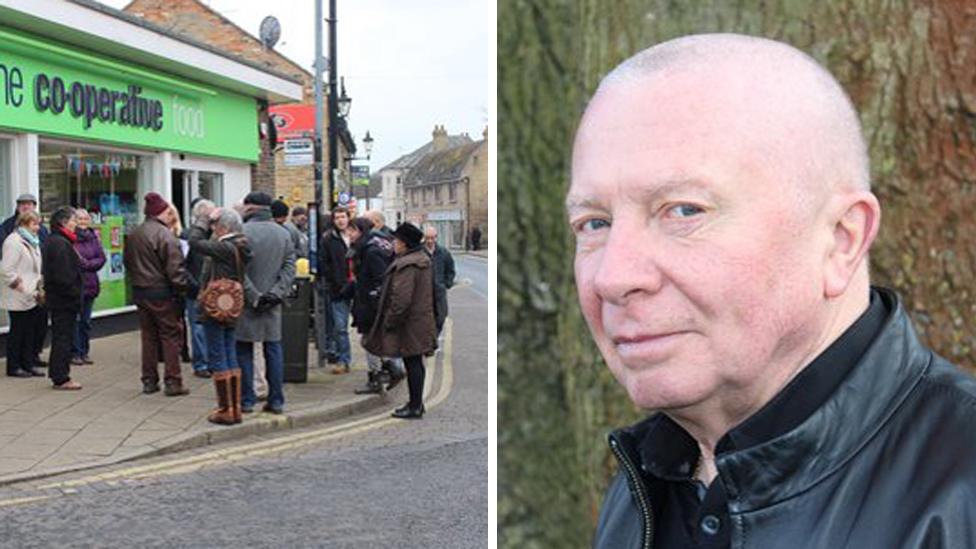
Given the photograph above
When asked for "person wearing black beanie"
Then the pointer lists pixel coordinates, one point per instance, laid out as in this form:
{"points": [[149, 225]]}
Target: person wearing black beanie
{"points": [[279, 212]]}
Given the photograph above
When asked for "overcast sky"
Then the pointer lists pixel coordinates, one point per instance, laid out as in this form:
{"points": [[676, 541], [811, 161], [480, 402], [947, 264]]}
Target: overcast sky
{"points": [[408, 64]]}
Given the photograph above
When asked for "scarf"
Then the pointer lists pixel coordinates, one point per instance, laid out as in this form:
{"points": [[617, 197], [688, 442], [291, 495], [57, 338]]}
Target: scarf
{"points": [[29, 237], [70, 234]]}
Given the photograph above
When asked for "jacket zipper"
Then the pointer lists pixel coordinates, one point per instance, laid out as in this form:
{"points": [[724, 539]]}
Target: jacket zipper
{"points": [[637, 489]]}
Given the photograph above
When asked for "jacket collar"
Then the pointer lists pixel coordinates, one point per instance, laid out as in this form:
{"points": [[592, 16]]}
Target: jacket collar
{"points": [[259, 213], [416, 256], [761, 475]]}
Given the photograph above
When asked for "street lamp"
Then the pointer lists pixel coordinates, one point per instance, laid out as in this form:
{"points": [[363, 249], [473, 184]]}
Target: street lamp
{"points": [[345, 102], [368, 147], [368, 144]]}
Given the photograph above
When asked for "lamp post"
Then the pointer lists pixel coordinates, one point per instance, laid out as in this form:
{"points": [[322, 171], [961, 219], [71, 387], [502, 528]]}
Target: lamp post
{"points": [[368, 146], [333, 104]]}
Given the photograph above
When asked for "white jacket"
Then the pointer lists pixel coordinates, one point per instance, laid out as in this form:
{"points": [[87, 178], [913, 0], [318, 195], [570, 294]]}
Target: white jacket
{"points": [[20, 259]]}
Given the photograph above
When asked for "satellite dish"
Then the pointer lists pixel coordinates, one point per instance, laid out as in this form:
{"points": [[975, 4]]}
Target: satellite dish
{"points": [[270, 31]]}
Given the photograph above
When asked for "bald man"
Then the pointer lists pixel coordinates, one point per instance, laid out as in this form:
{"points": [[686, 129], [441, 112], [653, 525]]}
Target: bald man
{"points": [[722, 210]]}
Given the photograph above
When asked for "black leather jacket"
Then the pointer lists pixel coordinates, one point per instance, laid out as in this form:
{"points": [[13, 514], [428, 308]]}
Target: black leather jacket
{"points": [[889, 461]]}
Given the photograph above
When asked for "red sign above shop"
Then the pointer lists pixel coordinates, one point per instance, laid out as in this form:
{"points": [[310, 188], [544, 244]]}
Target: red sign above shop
{"points": [[293, 121]]}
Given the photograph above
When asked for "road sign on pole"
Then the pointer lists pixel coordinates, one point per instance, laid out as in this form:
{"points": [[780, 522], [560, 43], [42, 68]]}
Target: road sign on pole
{"points": [[299, 152]]}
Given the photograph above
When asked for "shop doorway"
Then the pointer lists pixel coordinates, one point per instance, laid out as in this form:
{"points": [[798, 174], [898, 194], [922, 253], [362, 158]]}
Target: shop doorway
{"points": [[190, 184], [179, 194]]}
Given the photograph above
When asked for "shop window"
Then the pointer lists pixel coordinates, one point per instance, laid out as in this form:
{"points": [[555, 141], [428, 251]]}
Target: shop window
{"points": [[6, 172], [6, 201], [106, 183]]}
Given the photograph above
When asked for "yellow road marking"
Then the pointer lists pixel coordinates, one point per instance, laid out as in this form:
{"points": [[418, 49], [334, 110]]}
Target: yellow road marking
{"points": [[288, 442], [21, 501]]}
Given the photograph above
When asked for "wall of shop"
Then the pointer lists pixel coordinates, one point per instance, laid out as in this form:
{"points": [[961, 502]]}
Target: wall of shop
{"points": [[81, 129]]}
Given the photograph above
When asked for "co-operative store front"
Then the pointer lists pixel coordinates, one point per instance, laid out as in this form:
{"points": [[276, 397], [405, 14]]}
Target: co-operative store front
{"points": [[87, 129]]}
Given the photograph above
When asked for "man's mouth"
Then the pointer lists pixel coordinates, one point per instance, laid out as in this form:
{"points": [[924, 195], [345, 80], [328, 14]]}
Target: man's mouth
{"points": [[648, 347]]}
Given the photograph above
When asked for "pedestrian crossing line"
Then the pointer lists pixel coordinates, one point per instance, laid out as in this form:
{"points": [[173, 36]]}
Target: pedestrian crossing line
{"points": [[288, 442]]}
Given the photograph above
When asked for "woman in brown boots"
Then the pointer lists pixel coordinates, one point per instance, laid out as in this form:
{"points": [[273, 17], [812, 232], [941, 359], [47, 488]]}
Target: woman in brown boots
{"points": [[218, 238]]}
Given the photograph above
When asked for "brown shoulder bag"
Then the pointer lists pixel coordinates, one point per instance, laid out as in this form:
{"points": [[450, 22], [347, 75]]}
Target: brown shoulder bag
{"points": [[222, 300]]}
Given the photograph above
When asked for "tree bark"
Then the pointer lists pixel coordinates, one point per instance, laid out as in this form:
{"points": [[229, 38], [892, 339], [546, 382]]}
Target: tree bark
{"points": [[910, 68]]}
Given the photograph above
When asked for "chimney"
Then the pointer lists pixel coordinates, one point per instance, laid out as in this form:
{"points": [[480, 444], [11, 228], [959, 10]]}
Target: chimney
{"points": [[440, 139]]}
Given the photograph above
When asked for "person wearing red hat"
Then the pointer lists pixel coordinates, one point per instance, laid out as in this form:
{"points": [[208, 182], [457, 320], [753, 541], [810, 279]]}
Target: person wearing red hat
{"points": [[153, 262]]}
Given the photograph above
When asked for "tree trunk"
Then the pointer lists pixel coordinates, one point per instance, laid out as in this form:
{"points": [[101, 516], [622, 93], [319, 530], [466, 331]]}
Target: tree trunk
{"points": [[910, 68]]}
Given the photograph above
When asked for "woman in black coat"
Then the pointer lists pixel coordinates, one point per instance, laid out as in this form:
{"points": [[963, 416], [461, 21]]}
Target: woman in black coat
{"points": [[62, 287], [372, 253]]}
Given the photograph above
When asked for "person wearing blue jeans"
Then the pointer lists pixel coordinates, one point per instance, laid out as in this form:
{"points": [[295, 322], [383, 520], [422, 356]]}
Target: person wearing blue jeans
{"points": [[91, 258], [274, 361], [335, 268], [225, 371], [340, 322], [226, 253], [198, 338], [81, 345], [269, 279]]}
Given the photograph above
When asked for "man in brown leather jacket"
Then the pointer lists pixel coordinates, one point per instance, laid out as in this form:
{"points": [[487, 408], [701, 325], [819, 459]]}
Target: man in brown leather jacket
{"points": [[153, 263]]}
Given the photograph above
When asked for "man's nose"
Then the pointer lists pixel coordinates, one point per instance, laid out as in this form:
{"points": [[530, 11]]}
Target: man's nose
{"points": [[628, 266]]}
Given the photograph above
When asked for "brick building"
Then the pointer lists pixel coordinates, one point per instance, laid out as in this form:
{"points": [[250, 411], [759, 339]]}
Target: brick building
{"points": [[387, 182], [196, 20], [448, 188]]}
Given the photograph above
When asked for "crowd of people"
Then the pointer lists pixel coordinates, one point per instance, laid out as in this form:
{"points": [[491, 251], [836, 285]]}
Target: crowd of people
{"points": [[208, 293]]}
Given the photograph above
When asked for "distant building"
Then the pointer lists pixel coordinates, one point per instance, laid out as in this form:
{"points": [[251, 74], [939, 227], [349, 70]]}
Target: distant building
{"points": [[387, 182], [448, 188]]}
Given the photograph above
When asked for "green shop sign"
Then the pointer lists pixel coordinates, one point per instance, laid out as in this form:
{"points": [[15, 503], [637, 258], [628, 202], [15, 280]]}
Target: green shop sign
{"points": [[52, 89]]}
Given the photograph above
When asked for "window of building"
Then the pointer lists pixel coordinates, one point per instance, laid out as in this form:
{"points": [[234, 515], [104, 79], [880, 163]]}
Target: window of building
{"points": [[6, 201], [210, 185], [452, 192], [110, 184], [6, 175], [414, 198], [104, 182], [437, 194]]}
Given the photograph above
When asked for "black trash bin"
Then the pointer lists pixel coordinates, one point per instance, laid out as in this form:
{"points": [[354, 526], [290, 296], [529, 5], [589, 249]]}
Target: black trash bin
{"points": [[294, 330]]}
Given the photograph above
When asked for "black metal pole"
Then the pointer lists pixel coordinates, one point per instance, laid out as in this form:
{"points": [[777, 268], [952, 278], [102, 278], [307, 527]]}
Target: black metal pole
{"points": [[333, 105]]}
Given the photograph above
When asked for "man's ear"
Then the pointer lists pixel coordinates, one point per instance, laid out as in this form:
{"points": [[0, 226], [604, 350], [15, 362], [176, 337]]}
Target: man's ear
{"points": [[855, 227]]}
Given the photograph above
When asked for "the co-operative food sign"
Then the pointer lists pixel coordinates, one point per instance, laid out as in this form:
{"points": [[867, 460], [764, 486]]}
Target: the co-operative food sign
{"points": [[88, 102]]}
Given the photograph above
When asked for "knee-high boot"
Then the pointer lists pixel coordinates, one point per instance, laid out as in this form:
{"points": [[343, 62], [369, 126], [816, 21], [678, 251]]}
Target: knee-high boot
{"points": [[234, 392], [224, 414]]}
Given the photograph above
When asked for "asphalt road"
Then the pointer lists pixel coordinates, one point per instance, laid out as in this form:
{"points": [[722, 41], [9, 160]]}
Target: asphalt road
{"points": [[383, 483], [472, 269]]}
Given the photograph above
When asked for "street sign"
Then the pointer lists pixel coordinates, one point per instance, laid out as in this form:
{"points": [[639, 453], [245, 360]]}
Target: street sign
{"points": [[360, 175], [299, 152], [343, 198]]}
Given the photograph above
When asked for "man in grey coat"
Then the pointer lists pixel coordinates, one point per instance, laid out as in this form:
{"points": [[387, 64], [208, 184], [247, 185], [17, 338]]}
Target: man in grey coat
{"points": [[268, 279]]}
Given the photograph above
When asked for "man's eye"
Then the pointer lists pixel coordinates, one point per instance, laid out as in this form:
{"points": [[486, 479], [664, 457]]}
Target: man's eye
{"points": [[685, 210], [591, 225]]}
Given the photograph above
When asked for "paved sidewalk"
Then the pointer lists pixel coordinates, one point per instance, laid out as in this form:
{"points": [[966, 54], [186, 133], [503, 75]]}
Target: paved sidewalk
{"points": [[44, 432]]}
